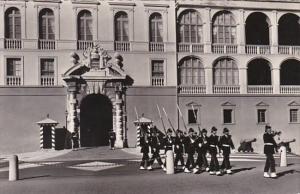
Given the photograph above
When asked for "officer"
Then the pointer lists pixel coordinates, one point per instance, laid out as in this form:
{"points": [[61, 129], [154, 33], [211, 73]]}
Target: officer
{"points": [[112, 139], [199, 149], [225, 144], [144, 142], [269, 150], [155, 144], [190, 150], [213, 142], [178, 148]]}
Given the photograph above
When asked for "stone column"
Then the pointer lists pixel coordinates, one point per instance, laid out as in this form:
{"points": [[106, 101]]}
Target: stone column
{"points": [[274, 33], [119, 121], [209, 80], [72, 113], [276, 80], [243, 80], [241, 33], [207, 31]]}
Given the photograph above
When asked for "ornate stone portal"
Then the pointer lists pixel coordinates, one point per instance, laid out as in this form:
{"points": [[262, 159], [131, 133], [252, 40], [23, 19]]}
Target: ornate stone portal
{"points": [[95, 75]]}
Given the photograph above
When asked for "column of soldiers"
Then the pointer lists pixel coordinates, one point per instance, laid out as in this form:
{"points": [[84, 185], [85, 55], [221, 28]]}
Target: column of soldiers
{"points": [[190, 143]]}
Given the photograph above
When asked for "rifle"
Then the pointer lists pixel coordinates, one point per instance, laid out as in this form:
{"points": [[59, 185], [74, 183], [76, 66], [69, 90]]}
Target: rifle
{"points": [[182, 118], [162, 121], [169, 120], [195, 116]]}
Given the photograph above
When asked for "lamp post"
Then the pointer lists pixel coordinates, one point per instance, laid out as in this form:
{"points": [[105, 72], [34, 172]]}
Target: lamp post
{"points": [[66, 114]]}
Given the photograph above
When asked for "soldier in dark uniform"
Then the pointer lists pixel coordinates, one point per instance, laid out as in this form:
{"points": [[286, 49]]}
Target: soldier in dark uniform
{"points": [[178, 148], [190, 150], [144, 142], [225, 144], [205, 148], [155, 144], [168, 143], [198, 149], [213, 142], [112, 139], [269, 150]]}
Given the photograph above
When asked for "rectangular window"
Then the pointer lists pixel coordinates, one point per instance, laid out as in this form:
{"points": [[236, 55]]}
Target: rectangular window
{"points": [[157, 69], [47, 72], [192, 116], [13, 71], [261, 115], [228, 116], [294, 115]]}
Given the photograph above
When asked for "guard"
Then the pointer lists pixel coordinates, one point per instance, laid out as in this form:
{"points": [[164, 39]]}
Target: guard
{"points": [[178, 149], [155, 144], [226, 143], [190, 150], [269, 150], [213, 141], [144, 142], [168, 143]]}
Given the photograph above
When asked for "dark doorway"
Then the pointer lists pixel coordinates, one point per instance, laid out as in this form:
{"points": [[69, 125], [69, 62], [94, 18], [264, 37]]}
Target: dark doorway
{"points": [[290, 72], [257, 29], [95, 120], [259, 72], [47, 140], [289, 30]]}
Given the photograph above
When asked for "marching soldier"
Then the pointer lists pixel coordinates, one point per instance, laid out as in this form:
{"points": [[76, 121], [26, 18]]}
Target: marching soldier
{"points": [[226, 143], [205, 148], [155, 144], [269, 150], [178, 149], [190, 150], [168, 143], [199, 149], [213, 141], [144, 142]]}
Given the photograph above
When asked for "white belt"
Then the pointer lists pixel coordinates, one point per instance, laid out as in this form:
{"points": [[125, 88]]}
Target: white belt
{"points": [[226, 145], [212, 145], [268, 144]]}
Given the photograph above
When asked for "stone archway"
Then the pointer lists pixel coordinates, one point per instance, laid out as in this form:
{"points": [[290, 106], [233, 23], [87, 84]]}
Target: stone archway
{"points": [[99, 81]]}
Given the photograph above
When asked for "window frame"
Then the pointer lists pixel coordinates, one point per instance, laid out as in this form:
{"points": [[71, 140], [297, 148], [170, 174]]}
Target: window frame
{"points": [[225, 72], [220, 26], [44, 15], [163, 61], [297, 115], [81, 16], [158, 24], [188, 69], [120, 26], [258, 116], [40, 69], [10, 30], [6, 58], [190, 27]]}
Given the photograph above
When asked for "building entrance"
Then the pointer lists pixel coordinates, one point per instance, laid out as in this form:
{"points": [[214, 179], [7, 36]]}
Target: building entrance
{"points": [[95, 120]]}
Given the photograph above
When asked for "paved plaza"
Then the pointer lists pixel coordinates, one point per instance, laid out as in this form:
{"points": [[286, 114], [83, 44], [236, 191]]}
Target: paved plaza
{"points": [[100, 170]]}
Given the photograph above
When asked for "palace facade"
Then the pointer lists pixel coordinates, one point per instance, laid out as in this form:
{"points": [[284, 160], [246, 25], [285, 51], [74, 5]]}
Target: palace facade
{"points": [[233, 64]]}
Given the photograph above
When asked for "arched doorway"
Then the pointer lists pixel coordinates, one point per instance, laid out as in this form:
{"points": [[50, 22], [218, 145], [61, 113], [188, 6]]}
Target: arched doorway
{"points": [[289, 30], [95, 120], [289, 72], [257, 29], [259, 72]]}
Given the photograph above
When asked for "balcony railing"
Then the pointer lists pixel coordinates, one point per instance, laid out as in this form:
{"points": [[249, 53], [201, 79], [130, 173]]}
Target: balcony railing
{"points": [[13, 43], [13, 80], [47, 80], [158, 81], [224, 48], [122, 46], [258, 49], [260, 89], [234, 89], [156, 47], [289, 89], [190, 47], [46, 44], [84, 44], [289, 50], [192, 89]]}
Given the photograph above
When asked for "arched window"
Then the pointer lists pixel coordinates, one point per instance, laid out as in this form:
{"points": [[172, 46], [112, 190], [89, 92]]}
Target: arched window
{"points": [[225, 72], [289, 30], [46, 25], [121, 27], [13, 23], [257, 29], [190, 27], [289, 72], [85, 23], [224, 28], [156, 28], [191, 72], [259, 72]]}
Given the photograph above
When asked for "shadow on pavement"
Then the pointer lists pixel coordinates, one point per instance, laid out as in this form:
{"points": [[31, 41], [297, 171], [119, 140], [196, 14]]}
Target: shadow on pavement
{"points": [[234, 171], [280, 174], [34, 177]]}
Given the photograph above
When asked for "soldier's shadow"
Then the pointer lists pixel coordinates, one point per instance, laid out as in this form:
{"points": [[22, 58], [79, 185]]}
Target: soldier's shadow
{"points": [[234, 171], [280, 174]]}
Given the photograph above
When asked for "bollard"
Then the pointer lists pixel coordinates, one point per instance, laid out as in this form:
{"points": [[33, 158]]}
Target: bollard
{"points": [[13, 168], [283, 161], [170, 162]]}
